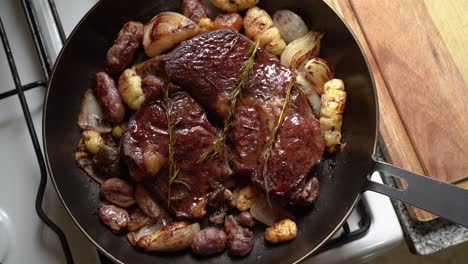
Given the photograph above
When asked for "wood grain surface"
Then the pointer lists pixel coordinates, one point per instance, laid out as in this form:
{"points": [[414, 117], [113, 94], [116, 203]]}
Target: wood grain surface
{"points": [[416, 52]]}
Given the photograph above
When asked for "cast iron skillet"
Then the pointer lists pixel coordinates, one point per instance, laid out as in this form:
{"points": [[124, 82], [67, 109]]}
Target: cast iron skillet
{"points": [[84, 54]]}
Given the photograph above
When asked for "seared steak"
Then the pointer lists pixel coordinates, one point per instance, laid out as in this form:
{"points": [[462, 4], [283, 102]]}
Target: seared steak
{"points": [[145, 145], [209, 67]]}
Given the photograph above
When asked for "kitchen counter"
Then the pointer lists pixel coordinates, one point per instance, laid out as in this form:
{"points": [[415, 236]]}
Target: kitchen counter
{"points": [[416, 51]]}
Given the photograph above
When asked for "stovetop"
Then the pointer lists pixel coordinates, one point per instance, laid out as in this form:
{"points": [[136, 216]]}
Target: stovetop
{"points": [[371, 229]]}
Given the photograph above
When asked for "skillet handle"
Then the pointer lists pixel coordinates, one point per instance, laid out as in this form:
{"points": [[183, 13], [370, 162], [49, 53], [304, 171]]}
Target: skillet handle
{"points": [[445, 200]]}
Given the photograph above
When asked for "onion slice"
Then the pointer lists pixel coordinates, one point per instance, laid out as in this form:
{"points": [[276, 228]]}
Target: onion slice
{"points": [[298, 52], [91, 116]]}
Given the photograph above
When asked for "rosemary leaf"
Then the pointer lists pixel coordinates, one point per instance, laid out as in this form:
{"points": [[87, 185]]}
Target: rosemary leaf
{"points": [[178, 197], [216, 150]]}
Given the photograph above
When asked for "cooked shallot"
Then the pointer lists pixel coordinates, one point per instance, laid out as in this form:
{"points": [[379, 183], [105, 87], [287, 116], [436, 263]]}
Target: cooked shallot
{"points": [[290, 25], [91, 116]]}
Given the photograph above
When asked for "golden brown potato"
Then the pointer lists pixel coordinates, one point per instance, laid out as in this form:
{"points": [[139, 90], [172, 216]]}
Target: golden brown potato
{"points": [[167, 30], [281, 231], [259, 25], [232, 6], [331, 111], [93, 141], [130, 89], [205, 25], [232, 20], [256, 21], [246, 199]]}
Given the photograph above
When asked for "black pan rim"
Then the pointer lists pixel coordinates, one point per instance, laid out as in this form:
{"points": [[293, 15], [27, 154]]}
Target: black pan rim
{"points": [[109, 255]]}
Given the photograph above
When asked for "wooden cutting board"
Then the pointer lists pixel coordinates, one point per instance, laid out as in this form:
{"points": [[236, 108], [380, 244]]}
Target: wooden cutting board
{"points": [[417, 53]]}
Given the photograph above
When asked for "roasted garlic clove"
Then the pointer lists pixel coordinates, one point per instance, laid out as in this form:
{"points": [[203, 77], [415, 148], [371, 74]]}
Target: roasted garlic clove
{"points": [[167, 30]]}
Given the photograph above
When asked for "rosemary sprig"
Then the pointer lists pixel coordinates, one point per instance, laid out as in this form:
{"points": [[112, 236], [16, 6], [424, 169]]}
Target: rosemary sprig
{"points": [[173, 171], [216, 150], [271, 141]]}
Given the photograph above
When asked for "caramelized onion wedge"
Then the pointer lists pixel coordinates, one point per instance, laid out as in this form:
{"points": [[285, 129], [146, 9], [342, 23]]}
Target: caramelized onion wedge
{"points": [[167, 30], [318, 71], [298, 52], [91, 116], [175, 236], [308, 89]]}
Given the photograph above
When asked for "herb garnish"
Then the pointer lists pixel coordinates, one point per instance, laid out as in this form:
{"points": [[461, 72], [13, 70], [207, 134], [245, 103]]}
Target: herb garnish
{"points": [[271, 141], [171, 125], [216, 150]]}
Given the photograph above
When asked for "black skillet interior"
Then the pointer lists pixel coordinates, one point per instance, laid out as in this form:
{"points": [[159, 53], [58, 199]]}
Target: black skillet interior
{"points": [[84, 55]]}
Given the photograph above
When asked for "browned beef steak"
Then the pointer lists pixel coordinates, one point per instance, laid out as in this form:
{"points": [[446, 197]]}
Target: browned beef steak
{"points": [[209, 67], [145, 145]]}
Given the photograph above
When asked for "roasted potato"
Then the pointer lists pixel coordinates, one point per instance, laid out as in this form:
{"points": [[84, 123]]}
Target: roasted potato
{"points": [[93, 141], [130, 89], [167, 30], [281, 231], [232, 6], [206, 24], [246, 198], [259, 25], [331, 111], [231, 20]]}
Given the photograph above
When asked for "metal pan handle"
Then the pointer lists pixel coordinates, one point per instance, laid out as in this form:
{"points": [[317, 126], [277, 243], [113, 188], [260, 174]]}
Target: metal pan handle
{"points": [[445, 200]]}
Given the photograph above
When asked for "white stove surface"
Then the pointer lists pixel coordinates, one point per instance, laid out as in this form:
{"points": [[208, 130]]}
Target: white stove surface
{"points": [[23, 237]]}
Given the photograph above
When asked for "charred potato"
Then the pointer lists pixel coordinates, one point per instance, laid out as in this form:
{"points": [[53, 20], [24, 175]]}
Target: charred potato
{"points": [[231, 20], [165, 31], [281, 231], [259, 25], [232, 6]]}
